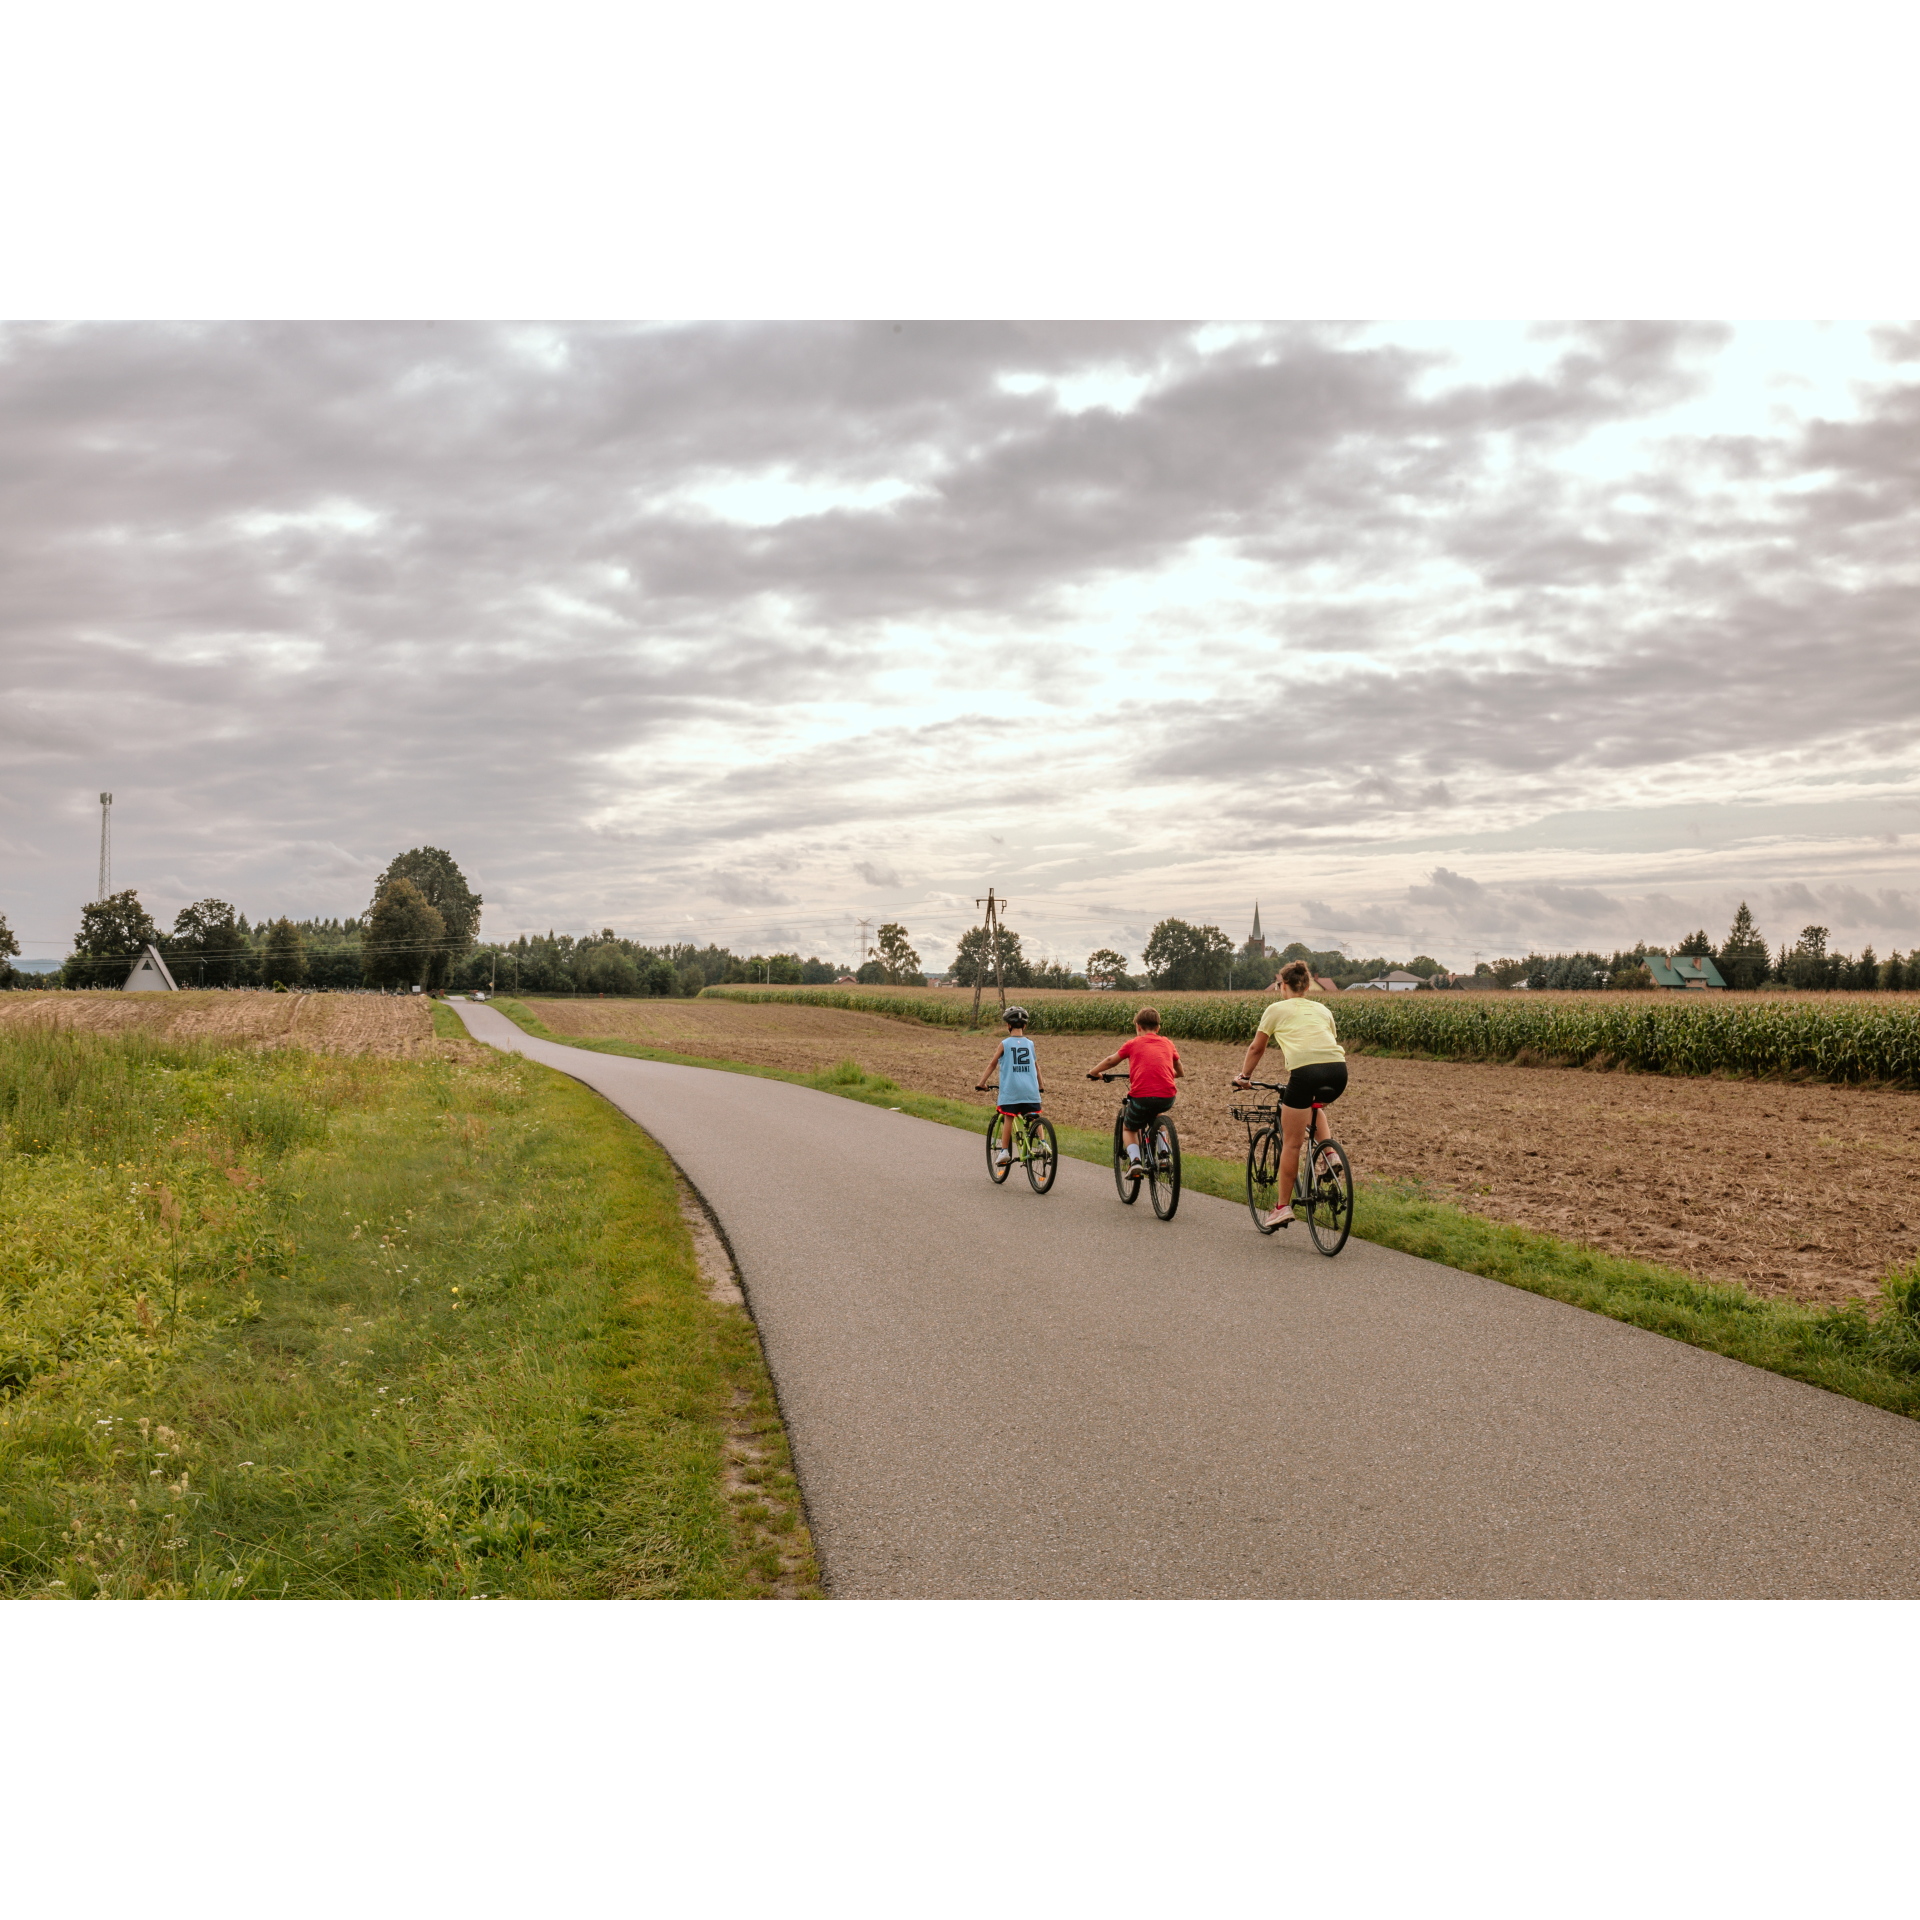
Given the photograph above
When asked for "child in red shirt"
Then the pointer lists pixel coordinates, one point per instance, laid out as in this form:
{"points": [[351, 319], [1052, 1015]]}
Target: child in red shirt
{"points": [[1153, 1064]]}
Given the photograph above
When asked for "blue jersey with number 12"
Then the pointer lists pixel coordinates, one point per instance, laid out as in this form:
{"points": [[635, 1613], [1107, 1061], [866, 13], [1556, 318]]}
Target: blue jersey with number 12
{"points": [[1019, 1072]]}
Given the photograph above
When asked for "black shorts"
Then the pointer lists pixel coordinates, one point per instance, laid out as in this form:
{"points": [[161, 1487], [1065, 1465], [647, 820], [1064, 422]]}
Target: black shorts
{"points": [[1142, 1109], [1324, 1082], [1022, 1106]]}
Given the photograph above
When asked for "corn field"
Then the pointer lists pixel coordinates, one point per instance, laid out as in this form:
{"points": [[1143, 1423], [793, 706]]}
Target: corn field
{"points": [[1853, 1040]]}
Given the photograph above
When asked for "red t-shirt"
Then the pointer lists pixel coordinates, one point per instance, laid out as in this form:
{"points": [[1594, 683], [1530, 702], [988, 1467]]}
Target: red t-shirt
{"points": [[1150, 1058]]}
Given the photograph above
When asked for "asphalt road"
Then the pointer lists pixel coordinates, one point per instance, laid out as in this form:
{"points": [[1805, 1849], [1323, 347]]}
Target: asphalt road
{"points": [[995, 1394]]}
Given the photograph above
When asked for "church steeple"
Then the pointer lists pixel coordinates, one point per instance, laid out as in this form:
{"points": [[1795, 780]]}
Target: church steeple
{"points": [[1254, 939]]}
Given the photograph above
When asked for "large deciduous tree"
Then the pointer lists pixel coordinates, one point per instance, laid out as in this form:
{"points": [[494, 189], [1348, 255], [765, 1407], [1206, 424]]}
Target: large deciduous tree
{"points": [[112, 934], [207, 947], [9, 946], [436, 876], [1187, 958], [897, 958], [403, 936], [1106, 968], [973, 961]]}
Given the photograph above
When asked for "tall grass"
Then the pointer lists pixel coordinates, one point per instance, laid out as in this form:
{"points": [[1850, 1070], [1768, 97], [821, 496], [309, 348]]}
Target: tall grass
{"points": [[1850, 1041], [276, 1323]]}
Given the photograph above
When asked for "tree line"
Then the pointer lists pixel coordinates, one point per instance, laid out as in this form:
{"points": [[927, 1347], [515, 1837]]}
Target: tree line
{"points": [[1743, 961], [421, 921]]}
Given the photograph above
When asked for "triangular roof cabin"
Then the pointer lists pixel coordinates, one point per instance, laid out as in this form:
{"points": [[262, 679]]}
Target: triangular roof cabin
{"points": [[150, 974]]}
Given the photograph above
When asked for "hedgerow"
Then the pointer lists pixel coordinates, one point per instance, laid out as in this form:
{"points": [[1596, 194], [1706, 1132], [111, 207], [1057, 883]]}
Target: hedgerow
{"points": [[1847, 1042]]}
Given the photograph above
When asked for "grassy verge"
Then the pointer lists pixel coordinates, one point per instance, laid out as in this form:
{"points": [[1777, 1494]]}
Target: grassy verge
{"points": [[1870, 1357], [273, 1323]]}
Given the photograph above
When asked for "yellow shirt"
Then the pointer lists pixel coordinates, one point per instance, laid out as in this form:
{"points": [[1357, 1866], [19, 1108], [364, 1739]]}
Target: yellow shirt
{"points": [[1303, 1031]]}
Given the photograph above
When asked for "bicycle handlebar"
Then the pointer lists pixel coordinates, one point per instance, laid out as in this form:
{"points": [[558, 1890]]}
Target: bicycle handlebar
{"points": [[1110, 1076]]}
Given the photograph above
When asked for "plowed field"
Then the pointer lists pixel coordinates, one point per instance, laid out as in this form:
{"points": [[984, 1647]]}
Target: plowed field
{"points": [[1809, 1191], [395, 1028]]}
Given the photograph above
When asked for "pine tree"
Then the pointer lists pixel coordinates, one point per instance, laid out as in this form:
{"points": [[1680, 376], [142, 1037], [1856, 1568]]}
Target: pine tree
{"points": [[1743, 960]]}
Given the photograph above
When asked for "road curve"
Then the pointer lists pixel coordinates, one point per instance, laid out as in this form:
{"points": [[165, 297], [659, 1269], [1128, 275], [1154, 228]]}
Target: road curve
{"points": [[993, 1394]]}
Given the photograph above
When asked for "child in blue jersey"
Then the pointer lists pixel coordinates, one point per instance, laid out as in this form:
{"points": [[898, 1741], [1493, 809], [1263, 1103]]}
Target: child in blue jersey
{"points": [[1019, 1073]]}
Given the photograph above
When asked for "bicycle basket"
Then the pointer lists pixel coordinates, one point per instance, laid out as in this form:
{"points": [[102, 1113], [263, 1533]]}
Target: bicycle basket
{"points": [[1252, 1114]]}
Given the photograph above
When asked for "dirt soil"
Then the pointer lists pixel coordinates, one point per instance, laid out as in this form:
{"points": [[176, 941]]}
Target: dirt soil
{"points": [[1802, 1190], [393, 1027]]}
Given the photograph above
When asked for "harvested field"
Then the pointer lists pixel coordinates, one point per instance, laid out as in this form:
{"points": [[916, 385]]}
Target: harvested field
{"points": [[1807, 1191], [390, 1026]]}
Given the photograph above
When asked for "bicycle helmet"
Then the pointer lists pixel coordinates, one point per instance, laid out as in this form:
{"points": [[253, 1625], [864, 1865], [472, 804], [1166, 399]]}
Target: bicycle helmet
{"points": [[1016, 1017]]}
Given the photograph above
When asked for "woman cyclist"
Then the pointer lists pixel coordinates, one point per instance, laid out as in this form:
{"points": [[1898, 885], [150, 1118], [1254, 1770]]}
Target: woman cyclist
{"points": [[1316, 1069]]}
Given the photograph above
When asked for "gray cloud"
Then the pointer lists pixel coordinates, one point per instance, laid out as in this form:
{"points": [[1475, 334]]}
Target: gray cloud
{"points": [[306, 595]]}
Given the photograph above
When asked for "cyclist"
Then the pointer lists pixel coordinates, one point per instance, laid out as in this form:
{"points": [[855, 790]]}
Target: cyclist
{"points": [[1019, 1073], [1316, 1069], [1153, 1064]]}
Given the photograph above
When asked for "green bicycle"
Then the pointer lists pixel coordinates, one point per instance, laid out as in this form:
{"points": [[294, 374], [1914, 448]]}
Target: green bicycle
{"points": [[1035, 1146]]}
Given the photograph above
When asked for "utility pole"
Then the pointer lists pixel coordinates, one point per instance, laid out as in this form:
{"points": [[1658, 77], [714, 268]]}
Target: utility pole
{"points": [[991, 923], [106, 845]]}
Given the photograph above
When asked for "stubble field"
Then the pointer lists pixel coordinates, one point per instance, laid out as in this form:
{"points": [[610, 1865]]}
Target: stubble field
{"points": [[1804, 1191], [391, 1027]]}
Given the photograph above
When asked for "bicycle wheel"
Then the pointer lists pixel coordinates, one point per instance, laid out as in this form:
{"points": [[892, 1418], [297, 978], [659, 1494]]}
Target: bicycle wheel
{"points": [[994, 1172], [1330, 1197], [1043, 1156], [1129, 1189], [1263, 1177], [1163, 1168]]}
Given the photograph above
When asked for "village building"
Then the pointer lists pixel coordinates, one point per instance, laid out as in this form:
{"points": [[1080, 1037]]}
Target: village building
{"points": [[150, 974], [1398, 981], [1682, 970]]}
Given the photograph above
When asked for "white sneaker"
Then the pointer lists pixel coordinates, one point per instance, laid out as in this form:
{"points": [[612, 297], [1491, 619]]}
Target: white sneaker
{"points": [[1003, 1158], [1136, 1170]]}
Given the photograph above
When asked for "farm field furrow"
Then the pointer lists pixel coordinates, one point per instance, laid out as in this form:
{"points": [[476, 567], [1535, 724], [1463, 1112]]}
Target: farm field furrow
{"points": [[388, 1025], [1805, 1191]]}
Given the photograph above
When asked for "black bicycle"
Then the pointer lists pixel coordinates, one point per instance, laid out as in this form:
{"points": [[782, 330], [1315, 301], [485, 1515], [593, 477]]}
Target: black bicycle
{"points": [[1160, 1153], [1035, 1145], [1323, 1191]]}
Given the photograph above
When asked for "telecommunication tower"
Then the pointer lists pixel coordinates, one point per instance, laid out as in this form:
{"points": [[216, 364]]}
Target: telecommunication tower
{"points": [[106, 845]]}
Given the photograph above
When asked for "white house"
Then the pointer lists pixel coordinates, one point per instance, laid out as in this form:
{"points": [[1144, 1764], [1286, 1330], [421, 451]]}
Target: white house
{"points": [[1398, 981], [150, 974]]}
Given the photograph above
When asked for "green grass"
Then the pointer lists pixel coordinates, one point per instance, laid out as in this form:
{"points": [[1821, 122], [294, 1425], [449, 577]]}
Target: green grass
{"points": [[277, 1324], [1681, 1034], [1874, 1357]]}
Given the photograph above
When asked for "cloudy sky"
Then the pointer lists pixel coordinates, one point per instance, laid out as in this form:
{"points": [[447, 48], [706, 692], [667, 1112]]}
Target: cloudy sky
{"points": [[1460, 639]]}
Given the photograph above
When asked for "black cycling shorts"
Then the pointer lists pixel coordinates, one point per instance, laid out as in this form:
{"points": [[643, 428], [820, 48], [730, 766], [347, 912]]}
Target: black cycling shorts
{"points": [[1324, 1082], [1022, 1106], [1142, 1109]]}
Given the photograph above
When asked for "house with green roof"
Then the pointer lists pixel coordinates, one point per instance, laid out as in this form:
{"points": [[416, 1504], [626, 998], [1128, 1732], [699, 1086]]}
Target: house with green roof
{"points": [[1682, 970]]}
